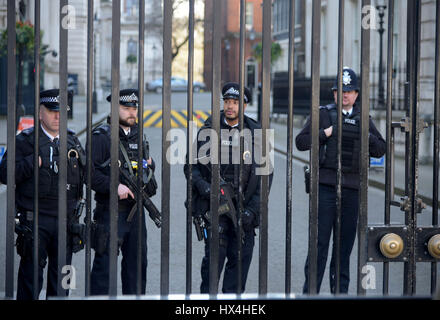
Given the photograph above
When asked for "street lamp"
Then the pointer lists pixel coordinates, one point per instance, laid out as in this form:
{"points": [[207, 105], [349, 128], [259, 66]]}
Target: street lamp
{"points": [[381, 30]]}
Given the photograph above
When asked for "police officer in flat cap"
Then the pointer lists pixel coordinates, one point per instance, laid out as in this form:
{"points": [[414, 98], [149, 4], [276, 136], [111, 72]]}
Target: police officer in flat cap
{"points": [[232, 216], [328, 142], [128, 217], [48, 155]]}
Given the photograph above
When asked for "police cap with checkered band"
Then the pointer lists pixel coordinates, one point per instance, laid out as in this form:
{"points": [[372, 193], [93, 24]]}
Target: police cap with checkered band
{"points": [[127, 97], [231, 90], [51, 99]]}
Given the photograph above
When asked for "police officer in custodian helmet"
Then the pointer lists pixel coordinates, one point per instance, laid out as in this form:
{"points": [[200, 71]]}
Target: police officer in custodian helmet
{"points": [[350, 176]]}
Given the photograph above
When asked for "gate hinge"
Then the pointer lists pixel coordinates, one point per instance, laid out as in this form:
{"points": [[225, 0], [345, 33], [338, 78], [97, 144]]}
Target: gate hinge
{"points": [[422, 125], [404, 125], [405, 205]]}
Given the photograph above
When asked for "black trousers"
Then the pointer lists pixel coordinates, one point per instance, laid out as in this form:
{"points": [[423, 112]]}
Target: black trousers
{"points": [[128, 236], [326, 223], [228, 248], [47, 250]]}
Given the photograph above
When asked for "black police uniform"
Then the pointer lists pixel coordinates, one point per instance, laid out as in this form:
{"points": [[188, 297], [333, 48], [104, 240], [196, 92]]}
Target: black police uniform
{"points": [[228, 243], [48, 200], [327, 181], [127, 231]]}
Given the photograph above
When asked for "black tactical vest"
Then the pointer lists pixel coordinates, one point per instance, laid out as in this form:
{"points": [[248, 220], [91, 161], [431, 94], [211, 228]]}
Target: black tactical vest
{"points": [[350, 142], [230, 145], [48, 172], [129, 143]]}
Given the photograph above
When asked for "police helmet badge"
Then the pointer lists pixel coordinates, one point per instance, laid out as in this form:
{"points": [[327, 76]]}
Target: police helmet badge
{"points": [[346, 79]]}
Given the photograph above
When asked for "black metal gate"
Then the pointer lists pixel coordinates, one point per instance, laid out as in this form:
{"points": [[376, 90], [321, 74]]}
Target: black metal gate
{"points": [[408, 243]]}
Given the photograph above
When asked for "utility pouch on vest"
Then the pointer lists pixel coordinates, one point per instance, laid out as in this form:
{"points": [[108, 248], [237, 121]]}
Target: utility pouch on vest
{"points": [[307, 178]]}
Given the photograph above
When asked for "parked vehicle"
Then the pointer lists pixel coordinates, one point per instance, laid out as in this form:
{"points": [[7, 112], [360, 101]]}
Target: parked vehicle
{"points": [[177, 84]]}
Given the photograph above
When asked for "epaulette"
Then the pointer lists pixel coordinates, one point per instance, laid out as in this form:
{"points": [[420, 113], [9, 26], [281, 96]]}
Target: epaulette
{"points": [[28, 131], [102, 128], [71, 132], [253, 122], [328, 106]]}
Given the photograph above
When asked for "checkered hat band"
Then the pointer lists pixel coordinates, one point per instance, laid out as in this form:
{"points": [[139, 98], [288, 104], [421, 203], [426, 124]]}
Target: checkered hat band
{"points": [[50, 99], [129, 98]]}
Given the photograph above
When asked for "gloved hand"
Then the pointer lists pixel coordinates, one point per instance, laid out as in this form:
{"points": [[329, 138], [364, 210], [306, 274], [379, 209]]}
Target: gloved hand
{"points": [[204, 188], [247, 220]]}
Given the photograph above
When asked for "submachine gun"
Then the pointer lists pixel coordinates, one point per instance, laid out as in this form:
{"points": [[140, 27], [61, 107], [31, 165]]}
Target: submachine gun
{"points": [[149, 184], [131, 183], [226, 207]]}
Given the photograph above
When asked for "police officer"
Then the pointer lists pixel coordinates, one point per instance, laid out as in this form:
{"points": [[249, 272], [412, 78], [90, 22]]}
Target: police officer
{"points": [[350, 176], [229, 168], [48, 195], [127, 227]]}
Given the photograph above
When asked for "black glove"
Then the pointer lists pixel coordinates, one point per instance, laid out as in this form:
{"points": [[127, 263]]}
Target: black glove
{"points": [[247, 220], [204, 188]]}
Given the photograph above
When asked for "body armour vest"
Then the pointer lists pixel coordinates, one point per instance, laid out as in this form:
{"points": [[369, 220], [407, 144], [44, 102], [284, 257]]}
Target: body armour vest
{"points": [[129, 143], [350, 142], [49, 170], [230, 155]]}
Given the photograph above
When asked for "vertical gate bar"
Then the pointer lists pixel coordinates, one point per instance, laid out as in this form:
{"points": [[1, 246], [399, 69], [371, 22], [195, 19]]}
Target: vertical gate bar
{"points": [[241, 148], [435, 167], [37, 145], [90, 74], [364, 159], [389, 101], [412, 138], [215, 171], [12, 117], [189, 146], [166, 126], [265, 109], [62, 173], [339, 148], [416, 130], [114, 148], [140, 169], [408, 97], [314, 151], [289, 163]]}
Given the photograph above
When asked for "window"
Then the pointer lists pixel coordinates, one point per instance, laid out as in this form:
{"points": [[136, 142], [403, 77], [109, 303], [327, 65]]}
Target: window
{"points": [[281, 16], [249, 15], [131, 48], [131, 7]]}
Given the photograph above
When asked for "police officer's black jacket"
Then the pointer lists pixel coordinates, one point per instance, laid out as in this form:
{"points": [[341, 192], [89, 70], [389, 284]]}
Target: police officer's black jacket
{"points": [[101, 156], [251, 181], [48, 177], [350, 145]]}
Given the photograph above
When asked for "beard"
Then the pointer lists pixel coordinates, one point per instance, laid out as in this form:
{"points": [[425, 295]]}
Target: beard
{"points": [[128, 122], [233, 116]]}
